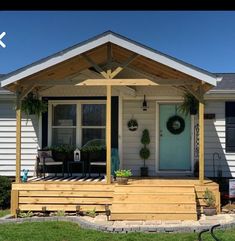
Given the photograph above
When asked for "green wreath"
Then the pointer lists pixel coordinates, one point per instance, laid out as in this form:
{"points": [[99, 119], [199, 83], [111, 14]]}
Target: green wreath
{"points": [[175, 124]]}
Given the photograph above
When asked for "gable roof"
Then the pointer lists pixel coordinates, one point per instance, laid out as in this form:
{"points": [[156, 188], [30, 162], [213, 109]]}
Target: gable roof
{"points": [[103, 39]]}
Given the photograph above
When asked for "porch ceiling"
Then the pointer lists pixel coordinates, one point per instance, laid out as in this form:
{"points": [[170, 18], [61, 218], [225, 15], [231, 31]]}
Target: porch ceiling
{"points": [[73, 70]]}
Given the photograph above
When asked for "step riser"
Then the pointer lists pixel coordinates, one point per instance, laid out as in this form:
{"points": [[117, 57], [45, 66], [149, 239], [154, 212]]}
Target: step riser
{"points": [[153, 203], [153, 198], [124, 216]]}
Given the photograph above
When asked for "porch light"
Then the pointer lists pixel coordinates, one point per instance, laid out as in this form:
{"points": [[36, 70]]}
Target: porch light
{"points": [[145, 105]]}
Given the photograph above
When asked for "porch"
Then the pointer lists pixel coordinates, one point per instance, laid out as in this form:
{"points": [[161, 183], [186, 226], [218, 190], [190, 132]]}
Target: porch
{"points": [[173, 198], [104, 68]]}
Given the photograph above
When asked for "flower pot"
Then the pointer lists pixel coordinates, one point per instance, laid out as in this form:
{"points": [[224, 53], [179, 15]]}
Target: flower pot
{"points": [[122, 180], [209, 211], [144, 171], [193, 110]]}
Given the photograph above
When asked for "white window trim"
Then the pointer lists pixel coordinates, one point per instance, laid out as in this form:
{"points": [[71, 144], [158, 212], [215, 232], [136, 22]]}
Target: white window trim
{"points": [[78, 126]]}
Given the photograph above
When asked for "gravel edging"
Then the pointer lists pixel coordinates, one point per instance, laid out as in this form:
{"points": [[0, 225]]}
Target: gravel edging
{"points": [[119, 229]]}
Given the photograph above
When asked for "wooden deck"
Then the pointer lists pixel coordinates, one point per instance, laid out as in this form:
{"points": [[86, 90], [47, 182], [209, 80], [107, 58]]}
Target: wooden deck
{"points": [[142, 199]]}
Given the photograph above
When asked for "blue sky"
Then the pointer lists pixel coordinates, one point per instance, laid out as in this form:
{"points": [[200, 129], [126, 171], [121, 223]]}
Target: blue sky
{"points": [[205, 39]]}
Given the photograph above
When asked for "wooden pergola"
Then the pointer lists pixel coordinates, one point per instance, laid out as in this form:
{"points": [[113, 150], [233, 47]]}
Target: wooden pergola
{"points": [[104, 65]]}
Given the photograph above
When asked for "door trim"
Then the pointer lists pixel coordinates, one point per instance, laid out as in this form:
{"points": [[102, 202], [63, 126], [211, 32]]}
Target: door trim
{"points": [[157, 153]]}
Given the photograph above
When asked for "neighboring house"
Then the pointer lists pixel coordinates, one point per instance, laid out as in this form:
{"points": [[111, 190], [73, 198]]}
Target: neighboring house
{"points": [[76, 82]]}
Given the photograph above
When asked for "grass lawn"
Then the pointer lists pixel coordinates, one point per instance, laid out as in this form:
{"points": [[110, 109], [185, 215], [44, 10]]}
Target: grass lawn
{"points": [[63, 231], [4, 212]]}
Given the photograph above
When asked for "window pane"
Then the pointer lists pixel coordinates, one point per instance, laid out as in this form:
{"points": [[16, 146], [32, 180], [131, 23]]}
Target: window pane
{"points": [[90, 134], [64, 115], [64, 136], [93, 114]]}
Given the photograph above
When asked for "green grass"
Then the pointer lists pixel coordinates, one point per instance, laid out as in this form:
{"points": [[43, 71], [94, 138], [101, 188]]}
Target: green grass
{"points": [[4, 212], [63, 231]]}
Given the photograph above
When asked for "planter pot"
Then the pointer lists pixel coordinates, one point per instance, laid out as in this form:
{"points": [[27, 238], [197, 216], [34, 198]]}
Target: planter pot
{"points": [[193, 110], [144, 171], [122, 180], [208, 211]]}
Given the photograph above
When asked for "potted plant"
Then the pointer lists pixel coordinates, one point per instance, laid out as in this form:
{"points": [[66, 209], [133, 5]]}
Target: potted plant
{"points": [[32, 105], [132, 124], [122, 176], [190, 104], [209, 199], [144, 152]]}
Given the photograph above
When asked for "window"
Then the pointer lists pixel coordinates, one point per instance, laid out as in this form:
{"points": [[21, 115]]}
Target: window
{"points": [[64, 124], [93, 122], [76, 122], [230, 126]]}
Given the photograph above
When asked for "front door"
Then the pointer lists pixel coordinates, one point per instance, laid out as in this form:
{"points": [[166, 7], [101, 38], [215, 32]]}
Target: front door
{"points": [[175, 141]]}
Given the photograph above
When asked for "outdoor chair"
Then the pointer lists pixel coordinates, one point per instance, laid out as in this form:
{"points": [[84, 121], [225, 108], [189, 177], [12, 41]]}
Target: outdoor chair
{"points": [[45, 160]]}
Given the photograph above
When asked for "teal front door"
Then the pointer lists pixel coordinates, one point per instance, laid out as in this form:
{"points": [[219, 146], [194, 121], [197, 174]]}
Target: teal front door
{"points": [[175, 154]]}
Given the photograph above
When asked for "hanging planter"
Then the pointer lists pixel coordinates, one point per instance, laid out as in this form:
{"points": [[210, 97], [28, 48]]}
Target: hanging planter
{"points": [[132, 124], [32, 105], [190, 104]]}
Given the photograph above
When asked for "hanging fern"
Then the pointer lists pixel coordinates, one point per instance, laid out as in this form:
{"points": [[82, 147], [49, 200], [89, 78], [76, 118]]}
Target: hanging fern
{"points": [[32, 105], [190, 104]]}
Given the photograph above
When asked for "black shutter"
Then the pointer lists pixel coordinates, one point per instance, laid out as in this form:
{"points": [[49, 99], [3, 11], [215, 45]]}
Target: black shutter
{"points": [[230, 126]]}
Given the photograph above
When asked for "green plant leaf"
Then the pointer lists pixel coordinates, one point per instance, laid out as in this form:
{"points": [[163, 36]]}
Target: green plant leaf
{"points": [[189, 102]]}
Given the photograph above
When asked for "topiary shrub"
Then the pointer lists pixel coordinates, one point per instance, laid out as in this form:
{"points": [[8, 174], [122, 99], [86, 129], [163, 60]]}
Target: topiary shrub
{"points": [[5, 192], [145, 140]]}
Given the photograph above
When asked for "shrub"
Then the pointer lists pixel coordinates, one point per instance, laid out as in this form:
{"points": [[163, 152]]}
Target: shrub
{"points": [[28, 214], [209, 198], [5, 192], [123, 173]]}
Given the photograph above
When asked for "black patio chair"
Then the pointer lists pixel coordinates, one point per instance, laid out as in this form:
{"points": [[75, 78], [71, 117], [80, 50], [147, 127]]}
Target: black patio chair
{"points": [[45, 160]]}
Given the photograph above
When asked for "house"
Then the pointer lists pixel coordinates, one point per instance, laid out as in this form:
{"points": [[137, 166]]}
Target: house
{"points": [[108, 77]]}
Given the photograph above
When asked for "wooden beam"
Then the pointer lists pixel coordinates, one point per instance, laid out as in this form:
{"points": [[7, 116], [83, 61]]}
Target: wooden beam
{"points": [[26, 91], [124, 65], [108, 134], [117, 82], [18, 137], [109, 53], [196, 93], [96, 66], [201, 142], [14, 201], [161, 81]]}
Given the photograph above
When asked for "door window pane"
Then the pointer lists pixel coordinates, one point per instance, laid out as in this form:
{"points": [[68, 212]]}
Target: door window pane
{"points": [[64, 115], [91, 133], [93, 114]]}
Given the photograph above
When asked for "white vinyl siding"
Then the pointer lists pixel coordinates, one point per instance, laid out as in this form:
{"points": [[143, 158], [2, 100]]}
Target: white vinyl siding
{"points": [[8, 140], [131, 139], [215, 141]]}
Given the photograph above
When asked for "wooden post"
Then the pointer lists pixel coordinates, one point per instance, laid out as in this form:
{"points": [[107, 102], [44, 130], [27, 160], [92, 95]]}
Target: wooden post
{"points": [[108, 135], [14, 201], [201, 142], [18, 138]]}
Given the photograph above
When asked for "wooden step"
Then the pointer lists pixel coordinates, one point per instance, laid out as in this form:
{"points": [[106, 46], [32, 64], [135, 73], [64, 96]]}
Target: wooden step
{"points": [[153, 202], [153, 189], [158, 216], [153, 198]]}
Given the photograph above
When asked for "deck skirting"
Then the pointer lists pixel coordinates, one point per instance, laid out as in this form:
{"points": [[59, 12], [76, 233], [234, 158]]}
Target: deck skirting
{"points": [[142, 199]]}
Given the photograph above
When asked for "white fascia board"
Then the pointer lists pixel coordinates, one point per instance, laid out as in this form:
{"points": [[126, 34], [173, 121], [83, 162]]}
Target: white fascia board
{"points": [[58, 58], [163, 60], [54, 60]]}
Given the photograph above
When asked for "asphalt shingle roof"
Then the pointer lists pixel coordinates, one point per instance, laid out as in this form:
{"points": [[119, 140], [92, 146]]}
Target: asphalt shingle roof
{"points": [[227, 83]]}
